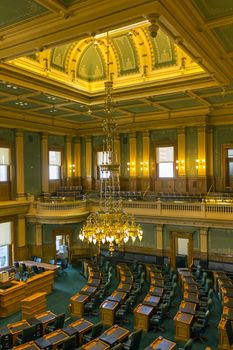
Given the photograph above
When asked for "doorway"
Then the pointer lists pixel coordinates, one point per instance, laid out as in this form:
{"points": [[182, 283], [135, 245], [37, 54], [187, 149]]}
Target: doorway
{"points": [[62, 242], [181, 249]]}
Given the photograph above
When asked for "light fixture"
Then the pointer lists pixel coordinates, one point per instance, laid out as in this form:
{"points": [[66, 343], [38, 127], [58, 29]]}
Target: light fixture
{"points": [[200, 163], [144, 166], [131, 166], [110, 225], [72, 169], [180, 164]]}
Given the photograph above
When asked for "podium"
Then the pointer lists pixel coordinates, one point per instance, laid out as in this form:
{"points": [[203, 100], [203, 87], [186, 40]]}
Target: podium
{"points": [[33, 305]]}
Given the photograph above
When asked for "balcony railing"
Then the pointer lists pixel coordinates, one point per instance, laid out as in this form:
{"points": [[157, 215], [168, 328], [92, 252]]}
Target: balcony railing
{"points": [[221, 211]]}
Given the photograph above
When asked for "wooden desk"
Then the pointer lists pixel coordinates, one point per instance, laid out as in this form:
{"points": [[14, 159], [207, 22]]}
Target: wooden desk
{"points": [[54, 338], [27, 346], [34, 304], [192, 297], [228, 301], [114, 335], [17, 328], [96, 344], [45, 318], [156, 291], [10, 298], [156, 275], [142, 314], [227, 312], [183, 322], [126, 279], [77, 302], [117, 296], [187, 307], [157, 282], [46, 266], [226, 292], [223, 338], [95, 275], [151, 300], [190, 288], [107, 312], [124, 287], [79, 328], [88, 290], [161, 343], [93, 282]]}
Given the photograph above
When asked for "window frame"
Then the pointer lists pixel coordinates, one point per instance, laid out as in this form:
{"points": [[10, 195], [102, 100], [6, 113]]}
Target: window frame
{"points": [[228, 180], [165, 145], [59, 166], [7, 166]]}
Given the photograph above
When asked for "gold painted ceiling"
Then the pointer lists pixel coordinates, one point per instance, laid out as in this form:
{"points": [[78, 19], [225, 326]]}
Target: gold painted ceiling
{"points": [[53, 63]]}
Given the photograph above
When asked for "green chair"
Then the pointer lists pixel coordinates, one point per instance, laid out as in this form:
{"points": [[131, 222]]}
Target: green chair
{"points": [[133, 342], [125, 309], [27, 334], [70, 344], [199, 327], [94, 333], [118, 347], [91, 306], [188, 345], [57, 324]]}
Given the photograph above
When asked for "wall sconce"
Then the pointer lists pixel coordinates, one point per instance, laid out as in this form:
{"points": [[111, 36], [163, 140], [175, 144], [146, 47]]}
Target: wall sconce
{"points": [[180, 164], [144, 166], [72, 169], [131, 166], [200, 163]]}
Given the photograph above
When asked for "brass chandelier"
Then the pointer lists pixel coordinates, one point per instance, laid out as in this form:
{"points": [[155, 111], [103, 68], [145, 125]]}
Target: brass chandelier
{"points": [[110, 225]]}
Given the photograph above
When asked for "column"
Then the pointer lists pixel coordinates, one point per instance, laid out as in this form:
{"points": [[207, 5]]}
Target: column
{"points": [[45, 163], [19, 146], [204, 243], [132, 161], [146, 160], [21, 236], [201, 161], [38, 240], [69, 164], [77, 160], [210, 162], [181, 152], [159, 239], [88, 180], [201, 164]]}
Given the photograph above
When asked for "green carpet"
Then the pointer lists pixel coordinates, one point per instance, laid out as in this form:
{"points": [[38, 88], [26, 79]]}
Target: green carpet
{"points": [[72, 281]]}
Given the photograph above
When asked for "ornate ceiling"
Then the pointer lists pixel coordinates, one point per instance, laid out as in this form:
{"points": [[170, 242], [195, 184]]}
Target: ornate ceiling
{"points": [[54, 63]]}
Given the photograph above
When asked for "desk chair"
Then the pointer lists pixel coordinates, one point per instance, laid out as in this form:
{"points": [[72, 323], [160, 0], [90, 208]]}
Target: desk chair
{"points": [[62, 267], [57, 324], [123, 311], [35, 269], [156, 320], [188, 345], [199, 327], [133, 341], [70, 344], [94, 333], [91, 306], [6, 339], [26, 335], [118, 347]]}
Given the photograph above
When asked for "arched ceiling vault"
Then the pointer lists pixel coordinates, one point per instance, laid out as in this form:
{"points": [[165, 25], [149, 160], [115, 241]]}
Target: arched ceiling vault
{"points": [[53, 67]]}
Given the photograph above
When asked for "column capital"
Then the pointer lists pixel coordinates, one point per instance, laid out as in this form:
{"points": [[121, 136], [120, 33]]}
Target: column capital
{"points": [[68, 139], [132, 134], [44, 136], [19, 133], [181, 130], [146, 133], [88, 139], [201, 128]]}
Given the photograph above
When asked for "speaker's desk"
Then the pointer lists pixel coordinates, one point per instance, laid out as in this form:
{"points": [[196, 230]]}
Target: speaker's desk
{"points": [[183, 323]]}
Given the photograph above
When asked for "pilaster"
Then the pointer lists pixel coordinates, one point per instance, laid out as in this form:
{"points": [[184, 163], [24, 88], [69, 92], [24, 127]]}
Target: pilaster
{"points": [[19, 146]]}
